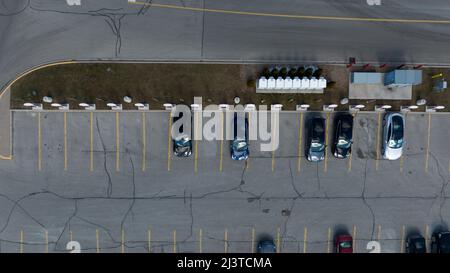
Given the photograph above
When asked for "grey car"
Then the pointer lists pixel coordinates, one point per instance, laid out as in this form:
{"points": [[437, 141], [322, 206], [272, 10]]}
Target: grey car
{"points": [[315, 146]]}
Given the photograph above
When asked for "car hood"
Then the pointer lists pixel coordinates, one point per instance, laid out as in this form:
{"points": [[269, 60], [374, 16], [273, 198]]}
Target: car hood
{"points": [[183, 151], [239, 155], [316, 156], [393, 154]]}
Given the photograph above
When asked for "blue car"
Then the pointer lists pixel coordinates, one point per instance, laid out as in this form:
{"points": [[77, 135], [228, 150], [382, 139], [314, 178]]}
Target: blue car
{"points": [[266, 246], [182, 143], [239, 145]]}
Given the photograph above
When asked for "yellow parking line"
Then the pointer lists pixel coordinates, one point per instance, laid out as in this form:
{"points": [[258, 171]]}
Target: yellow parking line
{"points": [[39, 143], [427, 155], [200, 241], [221, 143], [225, 239], [149, 240], [354, 239], [46, 241], [402, 240], [196, 143], [305, 239], [21, 241], [350, 159], [174, 235], [144, 142], [278, 240], [97, 241], [378, 142], [169, 143], [379, 233], [91, 140], [326, 143], [402, 157], [117, 143], [253, 240], [70, 235], [300, 143], [65, 141], [329, 241], [426, 237], [122, 243]]}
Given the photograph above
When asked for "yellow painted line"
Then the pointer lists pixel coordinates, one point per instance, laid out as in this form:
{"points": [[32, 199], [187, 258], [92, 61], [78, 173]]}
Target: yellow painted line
{"points": [[169, 143], [21, 241], [354, 239], [402, 240], [378, 142], [221, 142], [300, 143], [305, 239], [91, 140], [149, 240], [39, 143], [296, 16], [200, 241], [174, 235], [402, 157], [278, 240], [70, 235], [117, 143], [97, 241], [196, 143], [46, 241], [379, 233], [426, 237], [122, 243], [329, 241], [253, 240], [427, 155], [144, 142], [350, 159], [326, 143], [65, 141], [225, 239], [10, 157]]}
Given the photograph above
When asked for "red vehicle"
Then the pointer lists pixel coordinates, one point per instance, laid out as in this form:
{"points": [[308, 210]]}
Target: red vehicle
{"points": [[344, 244]]}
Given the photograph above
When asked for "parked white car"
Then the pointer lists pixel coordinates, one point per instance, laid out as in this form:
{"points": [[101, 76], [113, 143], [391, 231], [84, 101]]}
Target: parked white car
{"points": [[393, 136]]}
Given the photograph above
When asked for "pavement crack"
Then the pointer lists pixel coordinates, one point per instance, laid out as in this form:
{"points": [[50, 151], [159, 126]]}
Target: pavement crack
{"points": [[105, 164]]}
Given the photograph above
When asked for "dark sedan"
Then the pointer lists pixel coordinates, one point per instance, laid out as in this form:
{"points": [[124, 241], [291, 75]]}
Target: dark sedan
{"points": [[343, 137], [315, 146], [239, 145], [416, 244], [182, 142]]}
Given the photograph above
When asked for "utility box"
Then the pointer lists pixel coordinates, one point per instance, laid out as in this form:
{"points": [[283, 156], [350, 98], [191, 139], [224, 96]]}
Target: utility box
{"points": [[366, 78], [398, 78]]}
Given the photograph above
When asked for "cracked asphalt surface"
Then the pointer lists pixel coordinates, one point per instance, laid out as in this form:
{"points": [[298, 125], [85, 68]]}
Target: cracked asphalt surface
{"points": [[34, 32], [75, 203]]}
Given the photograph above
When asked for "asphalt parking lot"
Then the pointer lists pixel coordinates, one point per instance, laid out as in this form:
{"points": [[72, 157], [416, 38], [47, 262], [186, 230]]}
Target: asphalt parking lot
{"points": [[109, 181]]}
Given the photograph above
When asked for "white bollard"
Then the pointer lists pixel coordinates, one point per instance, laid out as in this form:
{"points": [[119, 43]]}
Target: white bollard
{"points": [[168, 106], [329, 107], [302, 107], [86, 106], [114, 106], [357, 107], [142, 106]]}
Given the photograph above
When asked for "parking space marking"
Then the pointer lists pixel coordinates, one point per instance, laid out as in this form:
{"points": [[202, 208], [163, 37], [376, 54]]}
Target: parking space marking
{"points": [[300, 143], [378, 142], [278, 240], [200, 241], [253, 240], [379, 233], [329, 240], [65, 141], [144, 142], [39, 143], [91, 141], [46, 241], [117, 143], [196, 143], [402, 240], [149, 240], [402, 157], [174, 235], [221, 142], [354, 238], [427, 155], [426, 237], [97, 241], [169, 143], [122, 242], [305, 239], [325, 167], [21, 241], [350, 158], [225, 240], [70, 235]]}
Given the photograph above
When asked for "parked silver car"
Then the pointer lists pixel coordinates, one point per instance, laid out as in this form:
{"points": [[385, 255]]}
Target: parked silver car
{"points": [[393, 136]]}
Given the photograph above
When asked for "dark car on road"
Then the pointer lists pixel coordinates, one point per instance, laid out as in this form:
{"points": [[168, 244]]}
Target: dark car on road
{"points": [[415, 244], [315, 146], [343, 137], [343, 244], [182, 142], [266, 246], [440, 242], [239, 144]]}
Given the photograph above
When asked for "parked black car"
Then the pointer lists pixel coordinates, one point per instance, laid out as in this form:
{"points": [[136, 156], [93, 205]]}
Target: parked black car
{"points": [[182, 142], [343, 137], [315, 146], [239, 145], [266, 246], [440, 242], [416, 244]]}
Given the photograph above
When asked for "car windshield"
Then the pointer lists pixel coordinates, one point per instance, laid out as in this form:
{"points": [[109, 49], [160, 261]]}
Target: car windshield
{"points": [[316, 146], [343, 143], [240, 145], [395, 144], [346, 244], [182, 141], [419, 244], [396, 140]]}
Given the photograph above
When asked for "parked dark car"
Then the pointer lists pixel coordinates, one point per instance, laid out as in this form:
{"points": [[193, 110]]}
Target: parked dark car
{"points": [[343, 244], [182, 142], [440, 242], [416, 244], [239, 144], [266, 246], [343, 138], [315, 146]]}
